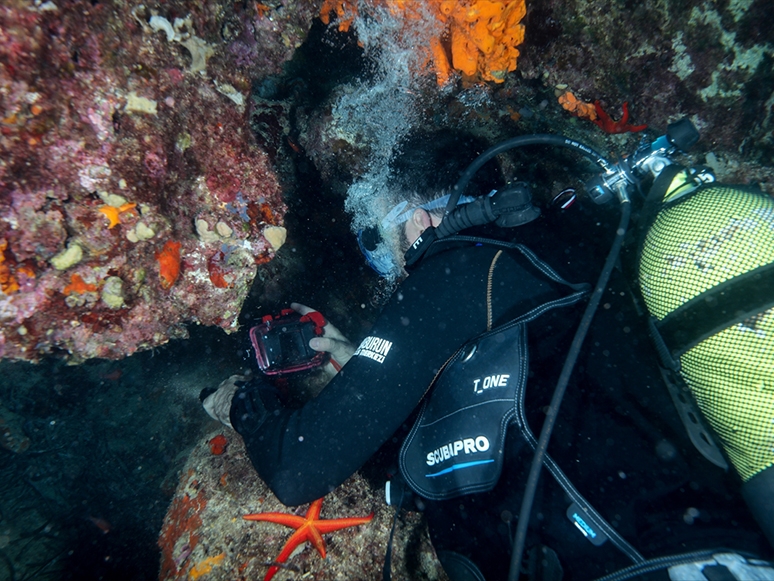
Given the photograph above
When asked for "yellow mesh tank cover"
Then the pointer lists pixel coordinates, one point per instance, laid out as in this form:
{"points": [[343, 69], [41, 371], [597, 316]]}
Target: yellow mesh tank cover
{"points": [[712, 236]]}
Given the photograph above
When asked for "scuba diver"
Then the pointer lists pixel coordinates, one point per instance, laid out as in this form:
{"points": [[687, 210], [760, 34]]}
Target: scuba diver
{"points": [[478, 347]]}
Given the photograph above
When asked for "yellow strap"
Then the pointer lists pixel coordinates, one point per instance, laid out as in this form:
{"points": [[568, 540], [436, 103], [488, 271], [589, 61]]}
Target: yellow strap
{"points": [[489, 291]]}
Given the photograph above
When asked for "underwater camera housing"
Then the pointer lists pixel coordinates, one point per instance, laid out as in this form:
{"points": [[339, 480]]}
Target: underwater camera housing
{"points": [[281, 342]]}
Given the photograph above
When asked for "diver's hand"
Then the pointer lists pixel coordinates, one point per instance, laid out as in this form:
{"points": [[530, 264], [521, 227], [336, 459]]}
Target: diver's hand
{"points": [[218, 403], [332, 340]]}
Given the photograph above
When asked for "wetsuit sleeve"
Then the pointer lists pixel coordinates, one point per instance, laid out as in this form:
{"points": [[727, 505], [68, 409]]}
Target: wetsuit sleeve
{"points": [[304, 454]]}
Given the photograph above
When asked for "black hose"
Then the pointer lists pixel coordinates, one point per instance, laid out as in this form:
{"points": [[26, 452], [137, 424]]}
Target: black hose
{"points": [[561, 386], [522, 141], [580, 334]]}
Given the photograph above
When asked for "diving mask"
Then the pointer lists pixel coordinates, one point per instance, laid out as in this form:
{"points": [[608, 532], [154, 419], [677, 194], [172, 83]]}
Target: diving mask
{"points": [[379, 254]]}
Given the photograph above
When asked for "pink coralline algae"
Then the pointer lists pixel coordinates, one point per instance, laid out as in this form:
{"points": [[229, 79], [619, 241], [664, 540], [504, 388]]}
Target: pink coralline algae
{"points": [[121, 128]]}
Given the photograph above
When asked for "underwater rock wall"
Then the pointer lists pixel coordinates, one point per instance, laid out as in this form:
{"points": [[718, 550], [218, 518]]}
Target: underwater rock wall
{"points": [[710, 61], [611, 75], [133, 199]]}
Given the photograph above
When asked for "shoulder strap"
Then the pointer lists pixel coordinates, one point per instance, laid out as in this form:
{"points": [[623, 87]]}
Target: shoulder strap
{"points": [[646, 216], [545, 269], [726, 304]]}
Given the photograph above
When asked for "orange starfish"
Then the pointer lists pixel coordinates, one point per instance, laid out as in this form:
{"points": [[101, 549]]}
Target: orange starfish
{"points": [[112, 213], [308, 528]]}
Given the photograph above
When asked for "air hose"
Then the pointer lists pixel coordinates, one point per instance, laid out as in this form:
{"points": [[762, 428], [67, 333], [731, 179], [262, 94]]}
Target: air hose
{"points": [[521, 141], [561, 386], [580, 334]]}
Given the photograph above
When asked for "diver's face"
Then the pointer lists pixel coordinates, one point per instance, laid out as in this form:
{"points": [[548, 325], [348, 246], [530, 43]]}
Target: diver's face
{"points": [[420, 221]]}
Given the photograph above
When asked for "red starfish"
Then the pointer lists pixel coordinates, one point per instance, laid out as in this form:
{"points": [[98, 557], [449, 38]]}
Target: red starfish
{"points": [[610, 126], [308, 528], [261, 9]]}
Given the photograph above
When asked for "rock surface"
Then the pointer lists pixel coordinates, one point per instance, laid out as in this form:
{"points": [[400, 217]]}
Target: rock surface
{"points": [[204, 532], [133, 198]]}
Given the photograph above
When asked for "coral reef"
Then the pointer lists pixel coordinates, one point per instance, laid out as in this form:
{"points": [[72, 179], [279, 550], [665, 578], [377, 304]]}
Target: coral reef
{"points": [[204, 531], [180, 532], [133, 200]]}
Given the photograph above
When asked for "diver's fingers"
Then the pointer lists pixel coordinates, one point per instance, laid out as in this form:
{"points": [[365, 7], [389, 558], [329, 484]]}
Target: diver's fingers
{"points": [[302, 309], [333, 341], [341, 351], [322, 344], [332, 332], [329, 330]]}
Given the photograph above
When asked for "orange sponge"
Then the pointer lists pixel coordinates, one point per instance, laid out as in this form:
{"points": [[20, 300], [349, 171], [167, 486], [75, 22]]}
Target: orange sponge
{"points": [[479, 38], [79, 286], [169, 263], [577, 107]]}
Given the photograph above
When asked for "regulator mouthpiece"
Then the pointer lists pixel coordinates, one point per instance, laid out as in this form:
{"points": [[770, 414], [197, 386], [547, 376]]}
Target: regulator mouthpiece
{"points": [[514, 207], [508, 208]]}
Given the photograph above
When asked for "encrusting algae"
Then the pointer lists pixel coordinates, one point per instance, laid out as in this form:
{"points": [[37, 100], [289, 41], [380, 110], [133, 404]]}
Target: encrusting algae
{"points": [[8, 283], [479, 38], [205, 566], [79, 286], [11, 272]]}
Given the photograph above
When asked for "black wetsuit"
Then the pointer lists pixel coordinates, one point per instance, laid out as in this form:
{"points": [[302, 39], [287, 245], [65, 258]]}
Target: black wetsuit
{"points": [[618, 437]]}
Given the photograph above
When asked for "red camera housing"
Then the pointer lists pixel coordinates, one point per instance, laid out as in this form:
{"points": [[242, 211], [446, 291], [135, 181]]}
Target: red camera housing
{"points": [[281, 342]]}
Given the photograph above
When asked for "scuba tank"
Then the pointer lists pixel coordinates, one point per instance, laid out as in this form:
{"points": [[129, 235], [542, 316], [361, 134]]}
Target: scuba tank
{"points": [[706, 275]]}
